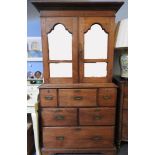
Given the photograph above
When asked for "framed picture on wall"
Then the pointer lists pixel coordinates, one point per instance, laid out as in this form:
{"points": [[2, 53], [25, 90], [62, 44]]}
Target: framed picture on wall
{"points": [[34, 48]]}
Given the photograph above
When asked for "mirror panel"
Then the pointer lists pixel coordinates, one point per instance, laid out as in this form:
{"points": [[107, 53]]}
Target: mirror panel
{"points": [[60, 43], [60, 70], [98, 69], [95, 43]]}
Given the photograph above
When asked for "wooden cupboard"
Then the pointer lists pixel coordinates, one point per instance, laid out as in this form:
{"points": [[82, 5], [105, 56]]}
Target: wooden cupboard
{"points": [[78, 98], [122, 110]]}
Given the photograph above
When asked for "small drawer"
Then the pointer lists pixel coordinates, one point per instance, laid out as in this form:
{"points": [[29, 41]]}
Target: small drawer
{"points": [[126, 90], [59, 117], [125, 117], [97, 116], [124, 132], [107, 97], [78, 137], [77, 97], [125, 103], [48, 97]]}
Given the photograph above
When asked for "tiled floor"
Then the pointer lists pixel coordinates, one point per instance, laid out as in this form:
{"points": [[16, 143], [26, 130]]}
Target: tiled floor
{"points": [[123, 150]]}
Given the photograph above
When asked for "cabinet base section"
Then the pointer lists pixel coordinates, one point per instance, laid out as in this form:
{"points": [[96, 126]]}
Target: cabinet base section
{"points": [[104, 151]]}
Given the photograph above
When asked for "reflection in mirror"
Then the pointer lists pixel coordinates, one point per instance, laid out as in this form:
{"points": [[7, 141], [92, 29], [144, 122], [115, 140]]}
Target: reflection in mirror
{"points": [[95, 43], [98, 69], [61, 70], [60, 43]]}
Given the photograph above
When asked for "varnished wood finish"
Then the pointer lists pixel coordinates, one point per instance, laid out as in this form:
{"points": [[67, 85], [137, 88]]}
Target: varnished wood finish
{"points": [[79, 116], [125, 125], [97, 116], [77, 5], [125, 103], [48, 97], [70, 23], [77, 97], [122, 110], [107, 97], [107, 24], [79, 85], [94, 60], [82, 13], [77, 23], [59, 117], [78, 137], [46, 72], [104, 151]]}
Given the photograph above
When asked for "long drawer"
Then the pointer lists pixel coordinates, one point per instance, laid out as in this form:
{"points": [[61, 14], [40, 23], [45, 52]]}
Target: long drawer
{"points": [[77, 97], [97, 116], [58, 117], [78, 137]]}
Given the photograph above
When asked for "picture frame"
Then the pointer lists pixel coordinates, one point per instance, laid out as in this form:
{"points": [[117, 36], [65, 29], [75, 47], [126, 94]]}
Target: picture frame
{"points": [[34, 47]]}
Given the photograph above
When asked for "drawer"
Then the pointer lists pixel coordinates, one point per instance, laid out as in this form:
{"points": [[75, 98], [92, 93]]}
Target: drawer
{"points": [[77, 97], [125, 117], [107, 97], [59, 117], [97, 116], [78, 138], [125, 103], [126, 90], [48, 97], [124, 133]]}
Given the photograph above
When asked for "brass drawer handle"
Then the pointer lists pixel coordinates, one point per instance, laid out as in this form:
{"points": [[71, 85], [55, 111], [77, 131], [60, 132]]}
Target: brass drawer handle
{"points": [[106, 97], [77, 90], [97, 138], [61, 138], [78, 98], [97, 117], [59, 117], [57, 110], [49, 97]]}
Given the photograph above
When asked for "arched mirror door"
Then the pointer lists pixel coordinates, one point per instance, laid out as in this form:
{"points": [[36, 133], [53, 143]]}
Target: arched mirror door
{"points": [[94, 49], [60, 50]]}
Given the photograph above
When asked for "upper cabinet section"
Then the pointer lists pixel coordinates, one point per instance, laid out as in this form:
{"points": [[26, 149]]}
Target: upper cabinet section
{"points": [[77, 40]]}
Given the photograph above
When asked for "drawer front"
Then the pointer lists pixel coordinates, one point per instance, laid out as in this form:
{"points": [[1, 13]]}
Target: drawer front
{"points": [[125, 117], [48, 97], [78, 138], [125, 125], [125, 103], [126, 90], [107, 96], [59, 117], [97, 116], [77, 97], [124, 133]]}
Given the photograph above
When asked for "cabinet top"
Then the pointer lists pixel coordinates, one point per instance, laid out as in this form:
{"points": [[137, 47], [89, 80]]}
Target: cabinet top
{"points": [[77, 4], [79, 85]]}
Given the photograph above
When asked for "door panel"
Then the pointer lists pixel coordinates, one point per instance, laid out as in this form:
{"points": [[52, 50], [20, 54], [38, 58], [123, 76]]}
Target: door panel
{"points": [[60, 49], [95, 33]]}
